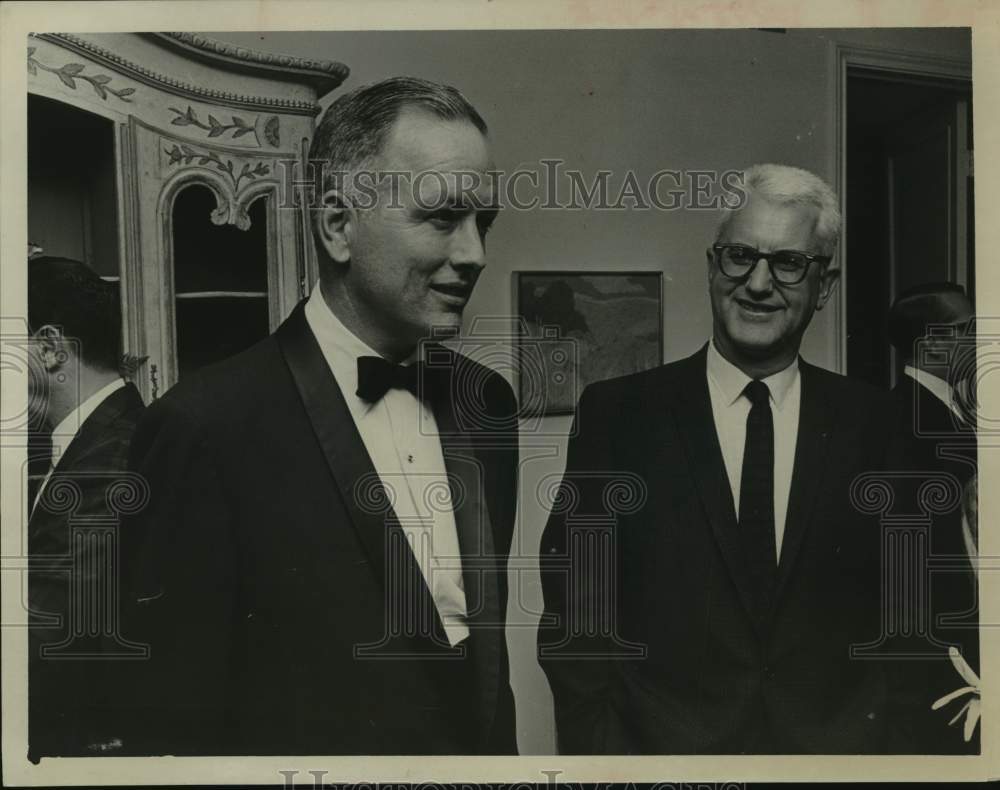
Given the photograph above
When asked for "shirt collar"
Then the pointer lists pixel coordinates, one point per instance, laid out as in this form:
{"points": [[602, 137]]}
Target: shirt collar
{"points": [[330, 330], [731, 381], [341, 347], [937, 386], [69, 426]]}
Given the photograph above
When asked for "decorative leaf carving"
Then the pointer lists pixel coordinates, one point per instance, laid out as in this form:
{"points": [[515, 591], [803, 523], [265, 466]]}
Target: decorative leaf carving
{"points": [[271, 132], [186, 154], [217, 128], [69, 73], [214, 127]]}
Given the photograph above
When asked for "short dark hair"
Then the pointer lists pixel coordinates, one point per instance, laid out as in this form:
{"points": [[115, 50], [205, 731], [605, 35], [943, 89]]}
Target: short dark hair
{"points": [[918, 308], [70, 295], [354, 128]]}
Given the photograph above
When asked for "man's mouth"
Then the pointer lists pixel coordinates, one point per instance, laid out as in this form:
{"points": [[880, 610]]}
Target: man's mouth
{"points": [[456, 293], [757, 308]]}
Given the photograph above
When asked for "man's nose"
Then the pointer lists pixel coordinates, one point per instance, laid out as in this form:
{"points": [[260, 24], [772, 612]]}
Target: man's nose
{"points": [[468, 245], [760, 280]]}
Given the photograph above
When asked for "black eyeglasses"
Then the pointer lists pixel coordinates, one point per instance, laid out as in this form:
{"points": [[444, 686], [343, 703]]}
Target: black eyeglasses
{"points": [[788, 267]]}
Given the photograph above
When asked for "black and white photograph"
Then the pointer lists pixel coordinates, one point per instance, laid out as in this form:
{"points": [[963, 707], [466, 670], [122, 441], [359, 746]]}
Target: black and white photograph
{"points": [[514, 398], [580, 328]]}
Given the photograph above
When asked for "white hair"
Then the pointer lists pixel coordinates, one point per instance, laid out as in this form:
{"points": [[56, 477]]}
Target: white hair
{"points": [[792, 186]]}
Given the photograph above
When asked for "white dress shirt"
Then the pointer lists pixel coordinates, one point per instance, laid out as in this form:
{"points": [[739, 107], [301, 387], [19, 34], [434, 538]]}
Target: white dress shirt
{"points": [[401, 436], [69, 426], [937, 387], [730, 408]]}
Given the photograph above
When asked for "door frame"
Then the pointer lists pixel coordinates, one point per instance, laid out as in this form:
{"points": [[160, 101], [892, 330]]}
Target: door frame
{"points": [[891, 63]]}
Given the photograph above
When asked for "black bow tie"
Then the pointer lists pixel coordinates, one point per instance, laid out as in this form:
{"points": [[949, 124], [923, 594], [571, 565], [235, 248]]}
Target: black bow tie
{"points": [[376, 376]]}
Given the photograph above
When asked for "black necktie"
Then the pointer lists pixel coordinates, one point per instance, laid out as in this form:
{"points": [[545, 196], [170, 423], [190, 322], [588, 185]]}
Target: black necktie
{"points": [[756, 520], [376, 376]]}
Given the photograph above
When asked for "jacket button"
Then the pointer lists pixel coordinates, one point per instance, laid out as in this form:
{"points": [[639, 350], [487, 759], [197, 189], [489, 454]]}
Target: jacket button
{"points": [[768, 673]]}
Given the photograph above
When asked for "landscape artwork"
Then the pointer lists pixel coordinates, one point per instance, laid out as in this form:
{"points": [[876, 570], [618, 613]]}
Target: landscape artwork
{"points": [[582, 327]]}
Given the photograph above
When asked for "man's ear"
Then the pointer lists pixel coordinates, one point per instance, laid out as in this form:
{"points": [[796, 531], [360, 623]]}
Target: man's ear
{"points": [[335, 225], [828, 280], [709, 259], [52, 347]]}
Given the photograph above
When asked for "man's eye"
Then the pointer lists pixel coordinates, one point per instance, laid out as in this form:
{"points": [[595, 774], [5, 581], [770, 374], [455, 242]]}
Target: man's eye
{"points": [[741, 256], [446, 217], [788, 263]]}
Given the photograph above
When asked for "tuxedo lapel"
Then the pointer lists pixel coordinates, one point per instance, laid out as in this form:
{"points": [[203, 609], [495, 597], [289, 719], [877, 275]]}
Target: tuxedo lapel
{"points": [[350, 465], [696, 425], [817, 416], [468, 466]]}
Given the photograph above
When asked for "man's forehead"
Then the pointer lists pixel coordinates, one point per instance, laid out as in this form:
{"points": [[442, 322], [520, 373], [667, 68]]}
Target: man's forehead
{"points": [[439, 160], [419, 138], [765, 216]]}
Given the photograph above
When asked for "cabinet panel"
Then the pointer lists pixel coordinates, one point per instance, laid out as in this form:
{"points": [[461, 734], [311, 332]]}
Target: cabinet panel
{"points": [[201, 277]]}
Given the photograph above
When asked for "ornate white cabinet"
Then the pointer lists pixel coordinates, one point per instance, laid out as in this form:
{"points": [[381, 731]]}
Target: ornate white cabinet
{"points": [[203, 138]]}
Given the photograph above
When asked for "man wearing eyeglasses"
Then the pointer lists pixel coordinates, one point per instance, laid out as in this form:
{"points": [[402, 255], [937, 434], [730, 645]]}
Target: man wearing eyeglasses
{"points": [[739, 576]]}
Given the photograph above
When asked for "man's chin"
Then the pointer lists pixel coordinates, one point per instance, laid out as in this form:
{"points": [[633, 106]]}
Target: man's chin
{"points": [[757, 348], [445, 326]]}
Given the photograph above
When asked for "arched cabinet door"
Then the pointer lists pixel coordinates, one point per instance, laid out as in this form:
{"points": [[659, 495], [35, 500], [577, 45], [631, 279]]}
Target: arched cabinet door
{"points": [[212, 251], [222, 262]]}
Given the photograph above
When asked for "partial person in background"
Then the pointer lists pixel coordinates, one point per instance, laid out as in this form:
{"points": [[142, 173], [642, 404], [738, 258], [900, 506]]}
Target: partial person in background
{"points": [[89, 414], [931, 328], [322, 568], [741, 567]]}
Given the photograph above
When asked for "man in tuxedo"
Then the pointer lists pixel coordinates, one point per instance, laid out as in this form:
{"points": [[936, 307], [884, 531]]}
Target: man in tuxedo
{"points": [[87, 414], [931, 327], [704, 570], [322, 568]]}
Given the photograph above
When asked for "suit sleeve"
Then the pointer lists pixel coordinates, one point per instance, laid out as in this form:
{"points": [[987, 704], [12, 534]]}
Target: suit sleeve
{"points": [[68, 698], [573, 648], [179, 568]]}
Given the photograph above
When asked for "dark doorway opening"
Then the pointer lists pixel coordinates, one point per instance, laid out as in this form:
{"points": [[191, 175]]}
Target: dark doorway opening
{"points": [[72, 199], [909, 202]]}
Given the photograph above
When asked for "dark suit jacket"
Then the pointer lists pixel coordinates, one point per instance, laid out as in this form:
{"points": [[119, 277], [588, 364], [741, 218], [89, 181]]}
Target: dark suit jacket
{"points": [[67, 687], [690, 670], [934, 444], [284, 611]]}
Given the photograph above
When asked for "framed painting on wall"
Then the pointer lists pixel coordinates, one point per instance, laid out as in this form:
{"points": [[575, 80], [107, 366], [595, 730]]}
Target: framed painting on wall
{"points": [[579, 327]]}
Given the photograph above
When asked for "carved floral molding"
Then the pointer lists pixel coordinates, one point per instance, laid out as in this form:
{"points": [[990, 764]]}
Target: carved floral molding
{"points": [[238, 127], [69, 73], [182, 153]]}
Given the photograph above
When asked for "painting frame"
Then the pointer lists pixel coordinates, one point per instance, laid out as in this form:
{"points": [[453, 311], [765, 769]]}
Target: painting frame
{"points": [[538, 399]]}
